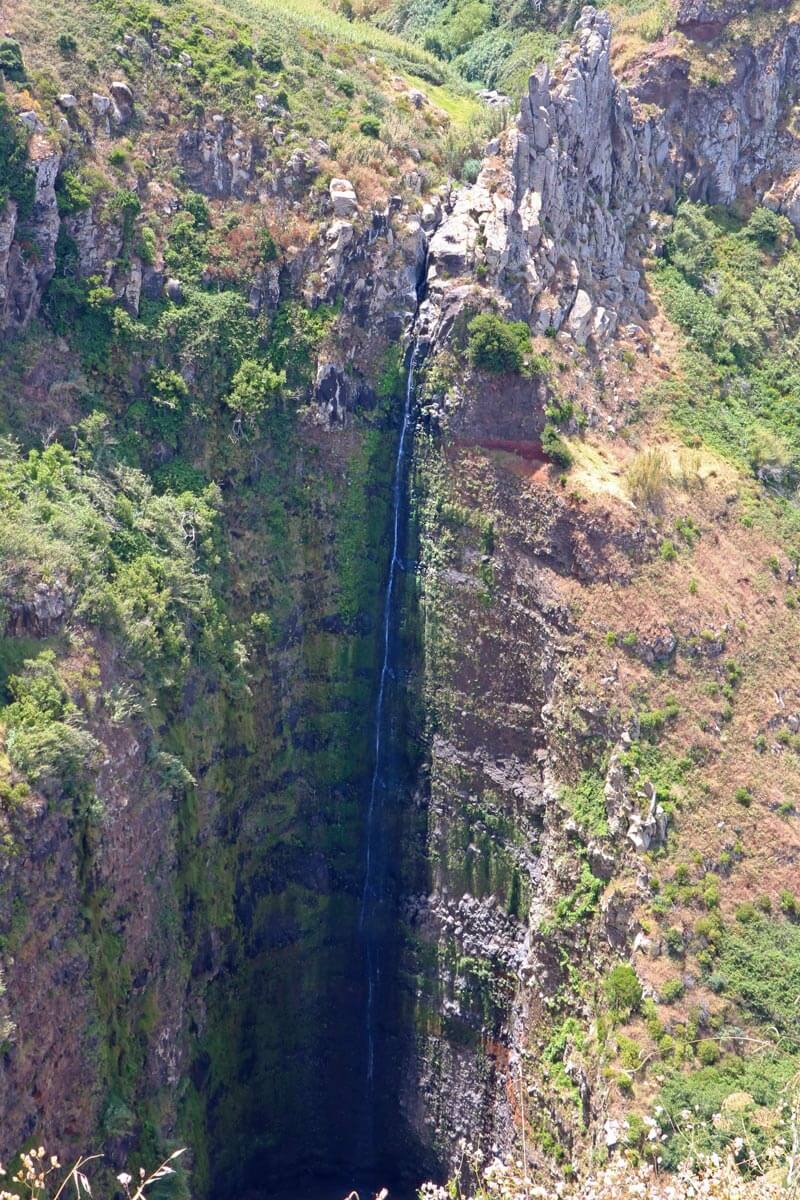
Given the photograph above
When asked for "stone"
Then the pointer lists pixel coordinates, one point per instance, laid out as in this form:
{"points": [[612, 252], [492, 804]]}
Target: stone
{"points": [[173, 290], [101, 105], [579, 320], [122, 93], [343, 197], [122, 103], [67, 101], [30, 120]]}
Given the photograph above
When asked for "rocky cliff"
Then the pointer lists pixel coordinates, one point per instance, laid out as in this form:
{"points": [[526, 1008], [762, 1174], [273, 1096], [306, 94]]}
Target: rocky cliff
{"points": [[567, 204], [208, 308]]}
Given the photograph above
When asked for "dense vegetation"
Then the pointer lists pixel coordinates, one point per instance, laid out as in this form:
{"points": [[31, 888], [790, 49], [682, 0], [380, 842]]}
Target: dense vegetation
{"points": [[731, 285]]}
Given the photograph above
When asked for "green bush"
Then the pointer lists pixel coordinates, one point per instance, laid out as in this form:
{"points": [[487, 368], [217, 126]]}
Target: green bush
{"points": [[762, 968], [498, 345], [72, 194], [671, 991], [256, 387], [66, 44], [268, 53], [45, 735], [370, 126], [586, 802], [17, 181], [267, 248], [555, 447], [11, 64], [623, 990], [768, 229]]}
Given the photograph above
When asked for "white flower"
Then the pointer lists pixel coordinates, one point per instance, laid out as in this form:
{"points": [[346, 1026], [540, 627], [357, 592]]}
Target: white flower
{"points": [[124, 1178]]}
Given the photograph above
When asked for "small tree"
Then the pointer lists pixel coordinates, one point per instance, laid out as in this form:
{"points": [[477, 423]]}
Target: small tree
{"points": [[623, 990], [498, 345], [255, 387]]}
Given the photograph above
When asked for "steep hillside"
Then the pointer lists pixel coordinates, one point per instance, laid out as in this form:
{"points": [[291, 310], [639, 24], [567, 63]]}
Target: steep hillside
{"points": [[369, 792]]}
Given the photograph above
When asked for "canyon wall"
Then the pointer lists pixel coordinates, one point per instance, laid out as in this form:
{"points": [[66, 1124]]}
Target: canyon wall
{"points": [[183, 962]]}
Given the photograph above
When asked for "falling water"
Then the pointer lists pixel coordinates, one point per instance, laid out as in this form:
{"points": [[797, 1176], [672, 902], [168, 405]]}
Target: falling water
{"points": [[374, 874]]}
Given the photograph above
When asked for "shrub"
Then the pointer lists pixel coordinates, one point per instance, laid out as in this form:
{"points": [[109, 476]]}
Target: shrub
{"points": [[708, 1052], [242, 53], [17, 181], [470, 169], [255, 387], [586, 802], [370, 126], [72, 194], [11, 64], [762, 967], [623, 990], [194, 203], [767, 228], [671, 991], [555, 447], [66, 44], [497, 345], [267, 248], [46, 738], [146, 245], [746, 912], [690, 245], [743, 796], [268, 53], [674, 941]]}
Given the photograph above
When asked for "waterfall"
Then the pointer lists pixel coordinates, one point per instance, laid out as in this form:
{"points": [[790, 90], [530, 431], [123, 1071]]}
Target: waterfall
{"points": [[375, 863]]}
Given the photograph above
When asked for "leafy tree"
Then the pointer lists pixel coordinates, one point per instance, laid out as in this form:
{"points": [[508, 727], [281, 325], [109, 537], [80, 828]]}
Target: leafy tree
{"points": [[498, 345], [256, 386], [623, 990]]}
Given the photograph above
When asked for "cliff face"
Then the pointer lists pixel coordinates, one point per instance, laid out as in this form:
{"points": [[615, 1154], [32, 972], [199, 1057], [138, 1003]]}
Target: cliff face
{"points": [[567, 206], [180, 933], [560, 217]]}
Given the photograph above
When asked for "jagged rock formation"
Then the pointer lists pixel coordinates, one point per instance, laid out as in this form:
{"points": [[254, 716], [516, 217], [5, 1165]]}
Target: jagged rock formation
{"points": [[28, 248], [560, 216]]}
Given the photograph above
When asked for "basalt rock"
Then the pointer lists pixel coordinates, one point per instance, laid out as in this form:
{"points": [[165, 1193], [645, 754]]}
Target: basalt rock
{"points": [[218, 160], [560, 218], [24, 271]]}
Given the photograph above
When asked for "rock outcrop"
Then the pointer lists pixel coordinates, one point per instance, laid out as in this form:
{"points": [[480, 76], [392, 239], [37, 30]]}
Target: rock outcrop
{"points": [[560, 217], [28, 246]]}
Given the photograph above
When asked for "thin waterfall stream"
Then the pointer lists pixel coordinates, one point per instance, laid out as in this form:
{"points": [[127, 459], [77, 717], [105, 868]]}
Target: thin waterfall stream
{"points": [[372, 895]]}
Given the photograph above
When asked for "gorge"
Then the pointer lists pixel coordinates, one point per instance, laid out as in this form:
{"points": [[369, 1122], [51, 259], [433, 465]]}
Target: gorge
{"points": [[398, 507]]}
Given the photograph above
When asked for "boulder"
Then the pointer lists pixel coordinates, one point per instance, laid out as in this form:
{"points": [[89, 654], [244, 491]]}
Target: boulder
{"points": [[579, 320], [343, 196], [122, 103], [173, 290]]}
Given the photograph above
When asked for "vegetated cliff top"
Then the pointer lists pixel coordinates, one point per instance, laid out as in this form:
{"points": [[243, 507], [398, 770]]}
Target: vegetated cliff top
{"points": [[295, 77]]}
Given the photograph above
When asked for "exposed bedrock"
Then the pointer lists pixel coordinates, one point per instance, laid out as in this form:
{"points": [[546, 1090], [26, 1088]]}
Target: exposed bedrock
{"points": [[566, 206]]}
